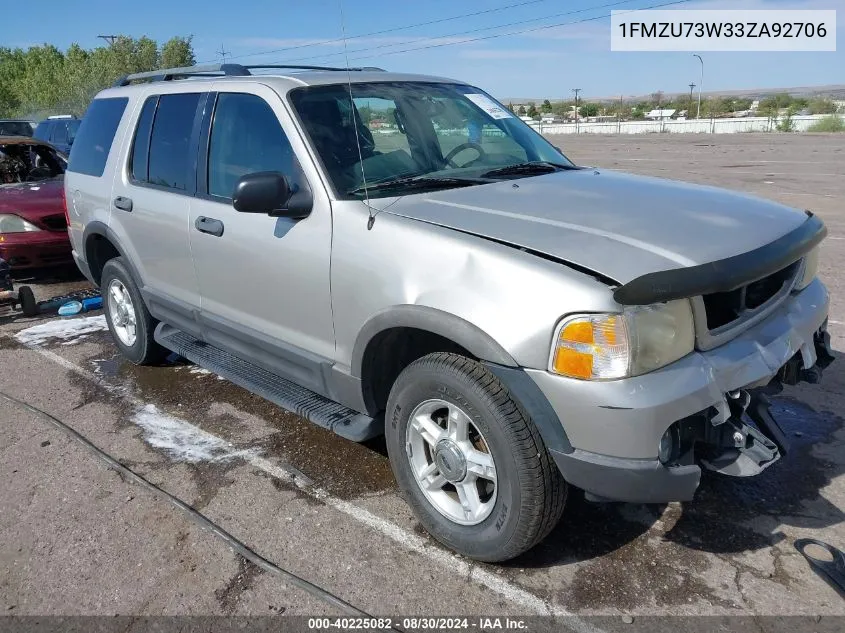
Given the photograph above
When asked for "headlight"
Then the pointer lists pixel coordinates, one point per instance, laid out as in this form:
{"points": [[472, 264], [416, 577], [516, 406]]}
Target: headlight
{"points": [[15, 224], [809, 269], [610, 346]]}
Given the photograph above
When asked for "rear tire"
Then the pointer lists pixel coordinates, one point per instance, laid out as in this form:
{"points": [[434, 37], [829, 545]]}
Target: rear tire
{"points": [[129, 321], [29, 306], [492, 493]]}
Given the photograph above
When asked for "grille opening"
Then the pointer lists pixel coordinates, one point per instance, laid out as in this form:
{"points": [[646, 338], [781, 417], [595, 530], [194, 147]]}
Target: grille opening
{"points": [[723, 308]]}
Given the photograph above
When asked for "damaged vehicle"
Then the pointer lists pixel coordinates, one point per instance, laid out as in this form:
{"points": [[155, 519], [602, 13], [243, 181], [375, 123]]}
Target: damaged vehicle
{"points": [[400, 254], [33, 224]]}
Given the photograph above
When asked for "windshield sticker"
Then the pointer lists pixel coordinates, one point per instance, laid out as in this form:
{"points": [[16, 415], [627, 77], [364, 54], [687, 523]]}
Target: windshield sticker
{"points": [[489, 106]]}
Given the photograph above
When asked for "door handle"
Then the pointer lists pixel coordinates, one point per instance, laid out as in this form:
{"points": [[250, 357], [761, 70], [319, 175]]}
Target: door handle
{"points": [[123, 203], [209, 225]]}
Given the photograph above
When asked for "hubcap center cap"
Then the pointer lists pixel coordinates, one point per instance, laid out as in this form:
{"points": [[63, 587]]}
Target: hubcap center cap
{"points": [[450, 460]]}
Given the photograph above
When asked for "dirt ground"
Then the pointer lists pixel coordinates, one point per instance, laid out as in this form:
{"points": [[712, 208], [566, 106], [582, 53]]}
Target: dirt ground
{"points": [[76, 539]]}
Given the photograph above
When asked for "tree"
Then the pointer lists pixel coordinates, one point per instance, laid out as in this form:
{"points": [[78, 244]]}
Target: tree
{"points": [[532, 111], [822, 106], [43, 80], [546, 106], [177, 52], [510, 107], [521, 110], [657, 99], [589, 109]]}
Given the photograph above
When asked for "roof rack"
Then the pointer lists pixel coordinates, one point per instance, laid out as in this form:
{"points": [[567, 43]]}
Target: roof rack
{"points": [[228, 70]]}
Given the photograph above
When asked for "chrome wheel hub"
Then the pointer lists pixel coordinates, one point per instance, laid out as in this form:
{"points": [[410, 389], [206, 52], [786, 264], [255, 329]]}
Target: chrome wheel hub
{"points": [[121, 312], [451, 462]]}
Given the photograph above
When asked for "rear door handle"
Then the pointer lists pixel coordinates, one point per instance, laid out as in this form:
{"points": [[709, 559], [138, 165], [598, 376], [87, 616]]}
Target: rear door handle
{"points": [[123, 203], [209, 225]]}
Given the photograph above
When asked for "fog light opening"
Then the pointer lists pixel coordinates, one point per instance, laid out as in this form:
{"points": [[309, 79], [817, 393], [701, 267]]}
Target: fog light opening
{"points": [[670, 444]]}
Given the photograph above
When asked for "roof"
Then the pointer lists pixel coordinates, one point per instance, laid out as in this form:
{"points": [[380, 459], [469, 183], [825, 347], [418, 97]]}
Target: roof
{"points": [[282, 81]]}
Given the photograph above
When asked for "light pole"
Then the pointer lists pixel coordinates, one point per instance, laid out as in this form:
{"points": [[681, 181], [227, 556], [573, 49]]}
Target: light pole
{"points": [[700, 85], [691, 86], [576, 91]]}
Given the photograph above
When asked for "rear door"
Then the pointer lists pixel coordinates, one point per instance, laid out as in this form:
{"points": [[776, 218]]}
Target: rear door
{"points": [[264, 280], [151, 200]]}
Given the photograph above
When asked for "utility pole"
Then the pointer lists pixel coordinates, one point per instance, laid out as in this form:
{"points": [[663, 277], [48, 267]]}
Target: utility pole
{"points": [[700, 85], [576, 91], [223, 52], [691, 86], [108, 38]]}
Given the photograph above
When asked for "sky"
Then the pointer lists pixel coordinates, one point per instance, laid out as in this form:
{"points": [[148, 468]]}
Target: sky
{"points": [[572, 52]]}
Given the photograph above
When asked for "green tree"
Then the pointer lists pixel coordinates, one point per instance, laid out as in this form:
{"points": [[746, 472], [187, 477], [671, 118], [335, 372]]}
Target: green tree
{"points": [[532, 111], [546, 106], [521, 110], [822, 106], [589, 109], [43, 80], [177, 52]]}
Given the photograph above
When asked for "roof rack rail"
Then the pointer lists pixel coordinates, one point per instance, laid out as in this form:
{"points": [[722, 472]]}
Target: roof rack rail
{"points": [[229, 70], [330, 68], [167, 74]]}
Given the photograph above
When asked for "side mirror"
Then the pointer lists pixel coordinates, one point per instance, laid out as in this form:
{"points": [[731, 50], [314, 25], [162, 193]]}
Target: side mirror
{"points": [[269, 192]]}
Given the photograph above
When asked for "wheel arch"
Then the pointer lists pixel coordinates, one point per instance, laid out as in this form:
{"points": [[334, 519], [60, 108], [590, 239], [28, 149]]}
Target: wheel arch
{"points": [[100, 244], [397, 336]]}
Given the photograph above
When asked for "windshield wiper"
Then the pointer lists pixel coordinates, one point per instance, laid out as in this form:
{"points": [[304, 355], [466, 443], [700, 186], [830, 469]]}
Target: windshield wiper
{"points": [[414, 183], [532, 167]]}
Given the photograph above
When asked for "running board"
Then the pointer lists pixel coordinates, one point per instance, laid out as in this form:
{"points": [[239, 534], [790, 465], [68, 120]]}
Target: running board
{"points": [[303, 402]]}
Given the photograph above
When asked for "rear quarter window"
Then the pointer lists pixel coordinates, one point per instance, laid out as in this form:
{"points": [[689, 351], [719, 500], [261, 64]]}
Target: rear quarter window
{"points": [[95, 136]]}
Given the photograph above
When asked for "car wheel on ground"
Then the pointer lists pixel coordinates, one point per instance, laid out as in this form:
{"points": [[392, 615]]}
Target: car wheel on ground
{"points": [[471, 463], [129, 321], [29, 306]]}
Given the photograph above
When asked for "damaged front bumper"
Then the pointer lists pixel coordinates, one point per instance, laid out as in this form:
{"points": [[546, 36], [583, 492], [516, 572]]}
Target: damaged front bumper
{"points": [[646, 439]]}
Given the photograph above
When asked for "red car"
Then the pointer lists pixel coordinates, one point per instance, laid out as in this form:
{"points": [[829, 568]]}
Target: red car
{"points": [[33, 217]]}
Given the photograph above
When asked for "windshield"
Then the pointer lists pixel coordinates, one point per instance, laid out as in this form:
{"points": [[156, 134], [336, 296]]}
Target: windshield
{"points": [[416, 136], [26, 162]]}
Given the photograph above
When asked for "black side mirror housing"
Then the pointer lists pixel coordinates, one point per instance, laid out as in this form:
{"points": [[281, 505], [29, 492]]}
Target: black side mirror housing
{"points": [[270, 193]]}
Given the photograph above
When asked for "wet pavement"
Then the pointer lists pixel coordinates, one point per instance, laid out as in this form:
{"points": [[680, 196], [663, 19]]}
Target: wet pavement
{"points": [[329, 509]]}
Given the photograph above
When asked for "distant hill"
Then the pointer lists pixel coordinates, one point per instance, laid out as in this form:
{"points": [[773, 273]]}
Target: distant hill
{"points": [[831, 91]]}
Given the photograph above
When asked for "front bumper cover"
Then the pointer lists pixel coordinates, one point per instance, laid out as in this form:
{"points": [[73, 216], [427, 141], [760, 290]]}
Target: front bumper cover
{"points": [[609, 478]]}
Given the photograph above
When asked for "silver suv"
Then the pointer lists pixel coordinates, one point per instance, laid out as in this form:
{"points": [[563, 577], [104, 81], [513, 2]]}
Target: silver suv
{"points": [[399, 254]]}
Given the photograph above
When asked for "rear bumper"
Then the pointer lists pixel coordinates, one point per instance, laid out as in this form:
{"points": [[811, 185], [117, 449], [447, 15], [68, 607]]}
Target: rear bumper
{"points": [[36, 250]]}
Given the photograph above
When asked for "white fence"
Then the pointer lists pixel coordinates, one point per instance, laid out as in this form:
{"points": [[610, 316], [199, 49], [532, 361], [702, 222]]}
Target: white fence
{"points": [[706, 126]]}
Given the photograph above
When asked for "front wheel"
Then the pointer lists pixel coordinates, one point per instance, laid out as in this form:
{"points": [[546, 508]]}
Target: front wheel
{"points": [[471, 463]]}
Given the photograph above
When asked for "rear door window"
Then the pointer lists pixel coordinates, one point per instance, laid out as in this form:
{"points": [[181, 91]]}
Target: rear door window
{"points": [[169, 160], [139, 166], [95, 136]]}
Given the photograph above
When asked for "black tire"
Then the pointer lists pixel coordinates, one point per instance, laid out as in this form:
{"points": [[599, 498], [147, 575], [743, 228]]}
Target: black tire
{"points": [[144, 351], [29, 306], [530, 491]]}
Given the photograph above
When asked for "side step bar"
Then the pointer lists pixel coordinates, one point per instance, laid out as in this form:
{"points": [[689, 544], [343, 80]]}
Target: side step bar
{"points": [[323, 412]]}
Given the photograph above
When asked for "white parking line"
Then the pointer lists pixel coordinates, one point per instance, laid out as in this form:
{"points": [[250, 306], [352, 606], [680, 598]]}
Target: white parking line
{"points": [[404, 538]]}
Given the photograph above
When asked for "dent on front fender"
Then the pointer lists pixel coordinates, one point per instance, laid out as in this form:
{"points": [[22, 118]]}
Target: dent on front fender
{"points": [[511, 296]]}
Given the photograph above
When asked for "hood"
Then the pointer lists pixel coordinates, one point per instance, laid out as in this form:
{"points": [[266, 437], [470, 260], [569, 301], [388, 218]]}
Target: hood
{"points": [[33, 200], [619, 225]]}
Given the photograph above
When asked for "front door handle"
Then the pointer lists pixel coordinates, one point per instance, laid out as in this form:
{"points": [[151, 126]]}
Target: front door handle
{"points": [[123, 203], [209, 225]]}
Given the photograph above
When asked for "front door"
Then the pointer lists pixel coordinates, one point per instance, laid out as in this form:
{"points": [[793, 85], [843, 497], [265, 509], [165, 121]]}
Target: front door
{"points": [[264, 281]]}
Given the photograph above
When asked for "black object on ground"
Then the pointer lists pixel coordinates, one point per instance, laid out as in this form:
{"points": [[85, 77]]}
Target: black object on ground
{"points": [[833, 571]]}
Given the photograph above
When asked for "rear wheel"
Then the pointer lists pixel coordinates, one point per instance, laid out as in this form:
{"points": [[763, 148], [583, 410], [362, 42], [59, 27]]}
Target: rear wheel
{"points": [[470, 461], [129, 321]]}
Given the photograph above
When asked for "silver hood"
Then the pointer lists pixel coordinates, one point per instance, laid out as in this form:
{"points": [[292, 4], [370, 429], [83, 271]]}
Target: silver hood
{"points": [[620, 225]]}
